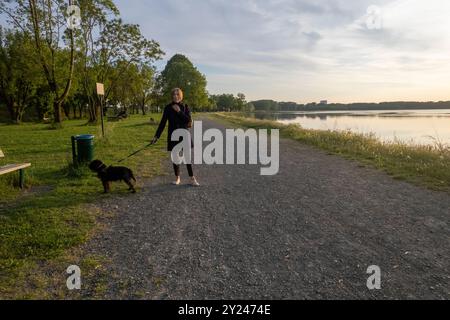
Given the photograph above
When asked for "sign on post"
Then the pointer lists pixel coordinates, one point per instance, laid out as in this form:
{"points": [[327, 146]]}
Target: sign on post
{"points": [[100, 89]]}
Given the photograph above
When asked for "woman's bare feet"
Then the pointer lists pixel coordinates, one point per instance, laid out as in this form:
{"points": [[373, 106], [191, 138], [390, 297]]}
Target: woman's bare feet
{"points": [[194, 182], [177, 182]]}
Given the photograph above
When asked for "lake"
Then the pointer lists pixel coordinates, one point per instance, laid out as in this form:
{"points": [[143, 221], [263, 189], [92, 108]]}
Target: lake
{"points": [[409, 126]]}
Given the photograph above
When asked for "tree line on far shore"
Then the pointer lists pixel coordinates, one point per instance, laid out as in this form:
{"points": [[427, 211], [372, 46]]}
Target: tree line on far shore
{"points": [[273, 106]]}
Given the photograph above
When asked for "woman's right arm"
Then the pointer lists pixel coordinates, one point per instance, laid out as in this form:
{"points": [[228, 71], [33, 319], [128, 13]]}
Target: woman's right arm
{"points": [[161, 127]]}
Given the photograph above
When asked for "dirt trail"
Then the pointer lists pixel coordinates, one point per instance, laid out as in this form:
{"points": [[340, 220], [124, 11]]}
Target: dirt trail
{"points": [[309, 232]]}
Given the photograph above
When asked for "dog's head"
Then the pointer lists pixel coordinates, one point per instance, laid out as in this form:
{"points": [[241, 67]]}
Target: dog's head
{"points": [[97, 166]]}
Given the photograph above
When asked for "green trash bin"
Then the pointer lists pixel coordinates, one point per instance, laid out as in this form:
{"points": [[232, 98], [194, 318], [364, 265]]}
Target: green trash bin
{"points": [[82, 149]]}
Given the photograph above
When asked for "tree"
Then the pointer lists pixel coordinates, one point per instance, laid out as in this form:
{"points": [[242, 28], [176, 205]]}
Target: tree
{"points": [[121, 92], [143, 87], [94, 16], [19, 77], [119, 47], [134, 88], [240, 101], [53, 42], [228, 102], [181, 73], [266, 105], [225, 102]]}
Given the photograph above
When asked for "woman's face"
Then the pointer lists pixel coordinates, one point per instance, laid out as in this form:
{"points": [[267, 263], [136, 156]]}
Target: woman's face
{"points": [[176, 96]]}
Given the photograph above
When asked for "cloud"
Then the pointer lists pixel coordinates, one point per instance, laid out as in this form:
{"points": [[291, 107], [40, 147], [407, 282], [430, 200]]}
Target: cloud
{"points": [[306, 50]]}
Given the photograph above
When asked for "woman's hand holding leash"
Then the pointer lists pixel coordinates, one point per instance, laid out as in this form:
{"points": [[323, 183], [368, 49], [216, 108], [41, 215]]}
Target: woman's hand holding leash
{"points": [[154, 140]]}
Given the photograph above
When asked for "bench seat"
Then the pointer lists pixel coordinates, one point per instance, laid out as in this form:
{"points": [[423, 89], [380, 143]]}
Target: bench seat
{"points": [[16, 167], [13, 167]]}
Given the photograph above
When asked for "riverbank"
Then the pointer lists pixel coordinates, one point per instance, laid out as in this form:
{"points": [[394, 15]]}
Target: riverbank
{"points": [[422, 165], [45, 224]]}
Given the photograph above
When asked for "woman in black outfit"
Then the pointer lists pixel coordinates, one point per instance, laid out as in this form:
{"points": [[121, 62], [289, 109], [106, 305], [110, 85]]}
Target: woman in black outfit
{"points": [[179, 117]]}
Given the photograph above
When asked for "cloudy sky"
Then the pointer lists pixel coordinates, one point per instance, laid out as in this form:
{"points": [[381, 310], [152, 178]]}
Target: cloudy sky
{"points": [[307, 50]]}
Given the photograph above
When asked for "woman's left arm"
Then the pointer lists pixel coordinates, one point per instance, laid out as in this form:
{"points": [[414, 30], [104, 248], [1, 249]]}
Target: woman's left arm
{"points": [[161, 126]]}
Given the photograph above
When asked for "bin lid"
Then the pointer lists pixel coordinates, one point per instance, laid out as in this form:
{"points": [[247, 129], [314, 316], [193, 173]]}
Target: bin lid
{"points": [[84, 137]]}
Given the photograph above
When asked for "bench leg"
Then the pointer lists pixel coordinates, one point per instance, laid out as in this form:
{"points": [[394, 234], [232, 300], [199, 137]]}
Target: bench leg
{"points": [[21, 178]]}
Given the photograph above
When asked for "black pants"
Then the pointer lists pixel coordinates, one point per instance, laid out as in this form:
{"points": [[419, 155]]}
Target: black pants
{"points": [[176, 168]]}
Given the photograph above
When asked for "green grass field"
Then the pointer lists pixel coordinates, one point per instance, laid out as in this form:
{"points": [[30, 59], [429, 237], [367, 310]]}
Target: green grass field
{"points": [[422, 165], [54, 214]]}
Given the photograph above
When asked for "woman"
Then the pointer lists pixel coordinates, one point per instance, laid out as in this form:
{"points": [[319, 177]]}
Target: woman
{"points": [[179, 117]]}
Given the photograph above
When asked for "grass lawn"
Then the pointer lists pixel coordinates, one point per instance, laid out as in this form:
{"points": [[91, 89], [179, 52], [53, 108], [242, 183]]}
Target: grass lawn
{"points": [[40, 225], [423, 165]]}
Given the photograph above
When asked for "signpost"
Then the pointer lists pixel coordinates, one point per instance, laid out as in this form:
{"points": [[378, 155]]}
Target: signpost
{"points": [[101, 94]]}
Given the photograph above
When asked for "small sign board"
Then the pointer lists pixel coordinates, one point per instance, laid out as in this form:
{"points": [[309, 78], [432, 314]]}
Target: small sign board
{"points": [[100, 89]]}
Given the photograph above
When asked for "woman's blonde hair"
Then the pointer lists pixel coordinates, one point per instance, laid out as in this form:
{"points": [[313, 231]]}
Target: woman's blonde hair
{"points": [[178, 90]]}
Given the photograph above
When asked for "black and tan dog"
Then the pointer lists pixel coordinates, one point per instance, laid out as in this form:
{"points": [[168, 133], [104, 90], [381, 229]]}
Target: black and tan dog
{"points": [[111, 174]]}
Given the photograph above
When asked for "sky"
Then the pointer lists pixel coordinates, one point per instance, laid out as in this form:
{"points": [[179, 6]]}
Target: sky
{"points": [[307, 50]]}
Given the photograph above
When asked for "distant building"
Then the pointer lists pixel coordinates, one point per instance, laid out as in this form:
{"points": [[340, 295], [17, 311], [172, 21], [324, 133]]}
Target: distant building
{"points": [[323, 102]]}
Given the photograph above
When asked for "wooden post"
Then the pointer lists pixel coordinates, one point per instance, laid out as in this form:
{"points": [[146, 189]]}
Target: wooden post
{"points": [[101, 112], [101, 94]]}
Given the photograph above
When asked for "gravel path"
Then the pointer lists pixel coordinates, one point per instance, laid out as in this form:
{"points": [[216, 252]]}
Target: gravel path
{"points": [[309, 232]]}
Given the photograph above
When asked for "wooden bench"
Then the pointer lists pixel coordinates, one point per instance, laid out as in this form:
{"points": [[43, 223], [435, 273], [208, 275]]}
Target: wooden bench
{"points": [[15, 167]]}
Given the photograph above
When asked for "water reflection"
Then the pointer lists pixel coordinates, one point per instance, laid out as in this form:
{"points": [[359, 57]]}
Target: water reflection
{"points": [[410, 126]]}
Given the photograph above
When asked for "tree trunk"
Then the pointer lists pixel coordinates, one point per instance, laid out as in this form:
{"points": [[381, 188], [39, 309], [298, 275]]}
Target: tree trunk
{"points": [[19, 115], [94, 112], [10, 107], [80, 109], [143, 106], [57, 112], [92, 115], [66, 110]]}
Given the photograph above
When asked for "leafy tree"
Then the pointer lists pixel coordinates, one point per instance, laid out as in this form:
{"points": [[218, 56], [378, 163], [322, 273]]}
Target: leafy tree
{"points": [[19, 76], [240, 101], [228, 102], [94, 17], [181, 73], [121, 92], [143, 87], [266, 105], [42, 101], [119, 47], [53, 42], [225, 102]]}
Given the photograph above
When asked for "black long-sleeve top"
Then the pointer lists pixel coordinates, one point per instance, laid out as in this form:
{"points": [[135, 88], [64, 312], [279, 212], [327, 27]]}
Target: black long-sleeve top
{"points": [[177, 120]]}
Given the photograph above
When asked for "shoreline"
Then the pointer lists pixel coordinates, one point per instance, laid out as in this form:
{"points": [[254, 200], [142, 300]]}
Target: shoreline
{"points": [[423, 165]]}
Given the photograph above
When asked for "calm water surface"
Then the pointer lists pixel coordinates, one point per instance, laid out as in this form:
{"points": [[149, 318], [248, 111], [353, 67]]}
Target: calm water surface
{"points": [[410, 126]]}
